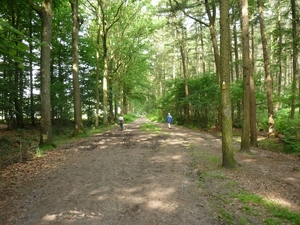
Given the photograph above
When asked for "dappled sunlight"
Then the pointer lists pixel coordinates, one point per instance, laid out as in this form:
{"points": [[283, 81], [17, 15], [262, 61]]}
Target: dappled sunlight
{"points": [[176, 157], [155, 204], [166, 159], [72, 215], [181, 134], [50, 217], [279, 201], [292, 179], [248, 160], [155, 198]]}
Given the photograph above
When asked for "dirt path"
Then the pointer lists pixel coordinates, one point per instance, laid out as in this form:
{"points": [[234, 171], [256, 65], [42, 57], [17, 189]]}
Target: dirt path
{"points": [[133, 177]]}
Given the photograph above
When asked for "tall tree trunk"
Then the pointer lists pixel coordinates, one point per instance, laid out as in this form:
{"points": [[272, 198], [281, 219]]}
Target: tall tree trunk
{"points": [[32, 112], [295, 53], [105, 74], [18, 90], [213, 34], [268, 76], [46, 124], [237, 67], [18, 98], [98, 68], [245, 141], [45, 13], [186, 87], [179, 36], [279, 56], [253, 127], [75, 69], [202, 48], [105, 31], [227, 146]]}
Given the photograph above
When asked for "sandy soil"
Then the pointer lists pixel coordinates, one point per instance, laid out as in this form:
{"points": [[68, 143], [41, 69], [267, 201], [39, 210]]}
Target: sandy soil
{"points": [[133, 177]]}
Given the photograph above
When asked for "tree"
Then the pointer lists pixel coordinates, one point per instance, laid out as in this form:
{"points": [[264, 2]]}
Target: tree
{"points": [[227, 146], [106, 26], [245, 141], [179, 36], [212, 28], [295, 57], [77, 21], [268, 76], [45, 13]]}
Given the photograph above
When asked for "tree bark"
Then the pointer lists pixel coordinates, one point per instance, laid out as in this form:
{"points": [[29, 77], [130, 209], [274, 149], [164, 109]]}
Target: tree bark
{"points": [[280, 47], [45, 13], [295, 53], [98, 67], [245, 140], [268, 76], [75, 70], [227, 146], [212, 29]]}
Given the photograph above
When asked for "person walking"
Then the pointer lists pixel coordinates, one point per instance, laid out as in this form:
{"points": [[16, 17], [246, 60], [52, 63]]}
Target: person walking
{"points": [[169, 120], [121, 121]]}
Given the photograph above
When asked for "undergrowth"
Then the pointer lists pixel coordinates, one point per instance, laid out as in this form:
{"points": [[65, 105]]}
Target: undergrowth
{"points": [[230, 202]]}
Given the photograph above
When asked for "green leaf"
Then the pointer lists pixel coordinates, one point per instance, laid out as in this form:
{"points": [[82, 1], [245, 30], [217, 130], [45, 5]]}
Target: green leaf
{"points": [[12, 52]]}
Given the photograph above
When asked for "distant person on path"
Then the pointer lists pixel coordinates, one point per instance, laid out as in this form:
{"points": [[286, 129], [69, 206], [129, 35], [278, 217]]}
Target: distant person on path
{"points": [[169, 120], [121, 121]]}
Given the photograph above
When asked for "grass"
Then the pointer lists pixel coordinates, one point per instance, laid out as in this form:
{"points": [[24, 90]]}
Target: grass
{"points": [[251, 201], [232, 204], [150, 127]]}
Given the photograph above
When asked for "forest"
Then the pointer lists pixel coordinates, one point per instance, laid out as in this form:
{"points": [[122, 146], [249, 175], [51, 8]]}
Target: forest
{"points": [[67, 67]]}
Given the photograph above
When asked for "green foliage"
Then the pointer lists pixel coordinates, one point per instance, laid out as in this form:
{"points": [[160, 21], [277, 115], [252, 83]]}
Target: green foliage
{"points": [[204, 99], [11, 45], [130, 118], [288, 130]]}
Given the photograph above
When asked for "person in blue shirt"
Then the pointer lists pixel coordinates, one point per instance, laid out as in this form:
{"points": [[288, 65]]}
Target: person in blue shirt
{"points": [[169, 120]]}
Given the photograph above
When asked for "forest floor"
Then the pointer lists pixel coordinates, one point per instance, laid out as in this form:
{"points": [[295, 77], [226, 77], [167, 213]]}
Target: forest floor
{"points": [[134, 177]]}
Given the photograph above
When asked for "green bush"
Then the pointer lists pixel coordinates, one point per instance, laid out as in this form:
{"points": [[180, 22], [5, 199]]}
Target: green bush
{"points": [[288, 131]]}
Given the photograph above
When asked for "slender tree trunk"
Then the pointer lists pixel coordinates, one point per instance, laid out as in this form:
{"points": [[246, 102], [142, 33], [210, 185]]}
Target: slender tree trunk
{"points": [[32, 112], [245, 139], [203, 52], [197, 53], [183, 61], [268, 76], [228, 160], [236, 52], [105, 30], [17, 98], [186, 87], [18, 90], [213, 34], [75, 70], [97, 71], [253, 128], [279, 56], [295, 53], [104, 79]]}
